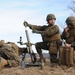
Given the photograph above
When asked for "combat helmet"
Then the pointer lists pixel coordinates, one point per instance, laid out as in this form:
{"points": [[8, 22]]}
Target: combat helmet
{"points": [[2, 43], [70, 20], [50, 16]]}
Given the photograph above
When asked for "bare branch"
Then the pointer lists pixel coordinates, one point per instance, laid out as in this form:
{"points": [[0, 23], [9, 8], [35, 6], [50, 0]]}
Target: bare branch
{"points": [[72, 6]]}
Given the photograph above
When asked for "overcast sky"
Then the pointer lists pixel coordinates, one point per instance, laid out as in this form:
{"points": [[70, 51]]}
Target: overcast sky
{"points": [[14, 12]]}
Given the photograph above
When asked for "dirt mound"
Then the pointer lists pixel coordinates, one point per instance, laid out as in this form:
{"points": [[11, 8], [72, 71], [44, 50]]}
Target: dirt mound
{"points": [[49, 69]]}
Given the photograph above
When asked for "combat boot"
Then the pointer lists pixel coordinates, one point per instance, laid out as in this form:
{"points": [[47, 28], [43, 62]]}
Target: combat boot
{"points": [[3, 62], [53, 58]]}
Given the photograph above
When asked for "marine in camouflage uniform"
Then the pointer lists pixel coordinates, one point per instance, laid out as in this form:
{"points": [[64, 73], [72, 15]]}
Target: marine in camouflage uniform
{"points": [[69, 32], [9, 54], [50, 36]]}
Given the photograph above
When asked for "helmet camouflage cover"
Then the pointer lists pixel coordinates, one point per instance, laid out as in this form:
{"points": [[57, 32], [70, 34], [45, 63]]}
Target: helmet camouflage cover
{"points": [[50, 16], [70, 20]]}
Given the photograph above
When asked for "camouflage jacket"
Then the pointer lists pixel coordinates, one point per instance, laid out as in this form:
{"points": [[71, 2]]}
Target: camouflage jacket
{"points": [[48, 33], [69, 36]]}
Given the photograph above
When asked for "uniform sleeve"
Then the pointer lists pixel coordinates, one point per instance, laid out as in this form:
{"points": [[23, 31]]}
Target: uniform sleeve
{"points": [[39, 28], [64, 35], [51, 31], [73, 44]]}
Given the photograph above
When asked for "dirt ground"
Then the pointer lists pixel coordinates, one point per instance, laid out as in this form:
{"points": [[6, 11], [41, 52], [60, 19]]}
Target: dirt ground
{"points": [[49, 69]]}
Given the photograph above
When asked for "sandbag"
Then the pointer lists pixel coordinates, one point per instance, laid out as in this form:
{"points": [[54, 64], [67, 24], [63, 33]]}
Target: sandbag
{"points": [[66, 56]]}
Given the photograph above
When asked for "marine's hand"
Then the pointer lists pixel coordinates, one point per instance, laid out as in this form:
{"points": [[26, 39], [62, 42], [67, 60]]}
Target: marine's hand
{"points": [[68, 45], [67, 29], [36, 31], [25, 24]]}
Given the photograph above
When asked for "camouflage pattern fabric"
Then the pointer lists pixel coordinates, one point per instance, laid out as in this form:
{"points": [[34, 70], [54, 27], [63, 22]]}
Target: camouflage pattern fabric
{"points": [[10, 55], [50, 16], [16, 48], [71, 20], [51, 46], [48, 32], [69, 37]]}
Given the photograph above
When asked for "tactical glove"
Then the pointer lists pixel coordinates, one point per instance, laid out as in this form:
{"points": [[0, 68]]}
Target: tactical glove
{"points": [[25, 23]]}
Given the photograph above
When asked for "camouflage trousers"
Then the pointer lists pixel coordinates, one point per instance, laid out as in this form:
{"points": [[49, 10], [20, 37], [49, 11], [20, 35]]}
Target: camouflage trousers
{"points": [[46, 46], [11, 57]]}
